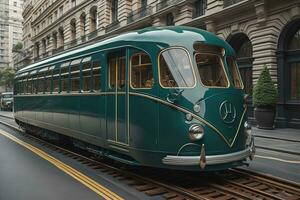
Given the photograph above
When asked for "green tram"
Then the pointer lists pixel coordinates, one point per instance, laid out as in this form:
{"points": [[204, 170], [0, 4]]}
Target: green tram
{"points": [[167, 97]]}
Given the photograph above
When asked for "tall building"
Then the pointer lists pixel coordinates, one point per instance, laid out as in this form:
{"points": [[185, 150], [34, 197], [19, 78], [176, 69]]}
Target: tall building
{"points": [[10, 29], [262, 32]]}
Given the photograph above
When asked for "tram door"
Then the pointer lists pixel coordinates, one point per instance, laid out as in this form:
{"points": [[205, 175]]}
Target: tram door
{"points": [[117, 98]]}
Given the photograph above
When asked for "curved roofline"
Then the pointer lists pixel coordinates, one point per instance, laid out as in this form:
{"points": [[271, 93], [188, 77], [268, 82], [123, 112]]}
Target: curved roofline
{"points": [[171, 35]]}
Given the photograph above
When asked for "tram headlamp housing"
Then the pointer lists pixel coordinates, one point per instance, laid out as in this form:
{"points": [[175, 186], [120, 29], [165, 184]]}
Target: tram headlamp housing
{"points": [[196, 132]]}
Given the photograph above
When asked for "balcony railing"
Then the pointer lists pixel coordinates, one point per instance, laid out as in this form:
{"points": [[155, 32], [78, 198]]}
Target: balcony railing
{"points": [[165, 3], [230, 2], [139, 13]]}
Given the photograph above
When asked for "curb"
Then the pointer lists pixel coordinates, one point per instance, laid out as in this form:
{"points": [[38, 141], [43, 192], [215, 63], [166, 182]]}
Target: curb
{"points": [[278, 150]]}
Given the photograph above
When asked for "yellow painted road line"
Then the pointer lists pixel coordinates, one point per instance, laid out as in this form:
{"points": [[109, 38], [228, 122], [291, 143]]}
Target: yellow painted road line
{"points": [[278, 159], [85, 180]]}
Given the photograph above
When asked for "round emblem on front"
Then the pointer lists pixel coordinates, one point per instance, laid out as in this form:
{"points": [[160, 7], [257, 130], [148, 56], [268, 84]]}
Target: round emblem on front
{"points": [[227, 112]]}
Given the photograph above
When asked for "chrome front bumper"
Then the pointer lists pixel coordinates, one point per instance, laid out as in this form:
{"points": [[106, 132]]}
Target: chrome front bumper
{"points": [[204, 160]]}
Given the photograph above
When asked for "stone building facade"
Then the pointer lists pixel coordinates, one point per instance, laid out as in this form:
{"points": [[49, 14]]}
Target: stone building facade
{"points": [[10, 29], [263, 32]]}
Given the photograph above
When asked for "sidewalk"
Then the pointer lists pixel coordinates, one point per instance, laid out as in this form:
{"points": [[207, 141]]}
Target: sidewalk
{"points": [[7, 114], [283, 140]]}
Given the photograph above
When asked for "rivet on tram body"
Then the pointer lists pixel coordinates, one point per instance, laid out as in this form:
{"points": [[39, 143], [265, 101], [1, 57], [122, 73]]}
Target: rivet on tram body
{"points": [[189, 117], [197, 108]]}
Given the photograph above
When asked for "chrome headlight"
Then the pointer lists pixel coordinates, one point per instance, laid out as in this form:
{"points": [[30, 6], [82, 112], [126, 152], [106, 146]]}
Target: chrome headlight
{"points": [[196, 132]]}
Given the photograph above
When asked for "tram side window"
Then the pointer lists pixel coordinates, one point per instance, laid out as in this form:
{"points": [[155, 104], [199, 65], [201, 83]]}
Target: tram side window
{"points": [[16, 86], [55, 80], [96, 76], [29, 85], [34, 84], [86, 76], [112, 72], [141, 71], [21, 86], [234, 73], [40, 82], [211, 71], [75, 77], [48, 79], [175, 69], [64, 78]]}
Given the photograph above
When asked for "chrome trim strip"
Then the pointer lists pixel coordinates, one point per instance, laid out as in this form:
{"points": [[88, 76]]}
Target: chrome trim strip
{"points": [[210, 160]]}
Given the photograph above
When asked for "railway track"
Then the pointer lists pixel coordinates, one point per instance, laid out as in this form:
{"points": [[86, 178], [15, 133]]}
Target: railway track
{"points": [[175, 185]]}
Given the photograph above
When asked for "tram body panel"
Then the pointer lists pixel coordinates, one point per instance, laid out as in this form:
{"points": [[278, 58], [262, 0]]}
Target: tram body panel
{"points": [[149, 122]]}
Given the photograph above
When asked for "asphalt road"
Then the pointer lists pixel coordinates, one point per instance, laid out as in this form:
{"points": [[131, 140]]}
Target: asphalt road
{"points": [[24, 175]]}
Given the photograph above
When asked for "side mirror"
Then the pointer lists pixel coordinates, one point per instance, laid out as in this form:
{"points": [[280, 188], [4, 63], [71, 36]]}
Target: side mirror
{"points": [[174, 95]]}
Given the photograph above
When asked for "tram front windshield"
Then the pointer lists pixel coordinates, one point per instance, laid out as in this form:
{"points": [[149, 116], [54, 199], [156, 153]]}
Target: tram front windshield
{"points": [[211, 70], [176, 69]]}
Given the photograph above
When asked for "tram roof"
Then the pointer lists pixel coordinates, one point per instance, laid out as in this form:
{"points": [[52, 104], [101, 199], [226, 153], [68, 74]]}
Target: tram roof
{"points": [[171, 35]]}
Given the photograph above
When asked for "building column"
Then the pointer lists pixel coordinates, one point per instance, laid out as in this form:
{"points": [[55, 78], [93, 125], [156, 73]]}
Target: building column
{"points": [[210, 26], [124, 8], [67, 32], [184, 15], [214, 6], [136, 4], [104, 15], [157, 21]]}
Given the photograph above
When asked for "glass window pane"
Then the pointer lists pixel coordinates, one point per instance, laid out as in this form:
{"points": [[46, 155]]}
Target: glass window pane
{"points": [[211, 71], [55, 80], [141, 71], [176, 69], [112, 72], [48, 80], [234, 73], [294, 43], [121, 72], [64, 79], [295, 81], [96, 76], [86, 74], [75, 78], [40, 82]]}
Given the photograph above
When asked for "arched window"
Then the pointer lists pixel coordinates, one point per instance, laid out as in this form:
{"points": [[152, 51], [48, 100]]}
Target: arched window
{"points": [[288, 70], [93, 19], [73, 29], [82, 24], [61, 39], [44, 46], [294, 43], [114, 11], [293, 55], [54, 36], [243, 48], [170, 19]]}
